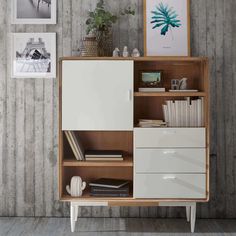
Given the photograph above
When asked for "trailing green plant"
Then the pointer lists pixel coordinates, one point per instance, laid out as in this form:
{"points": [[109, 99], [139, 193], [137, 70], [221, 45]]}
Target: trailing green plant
{"points": [[101, 20], [165, 16]]}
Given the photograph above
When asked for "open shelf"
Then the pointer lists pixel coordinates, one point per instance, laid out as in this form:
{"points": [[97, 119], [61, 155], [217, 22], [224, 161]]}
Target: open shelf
{"points": [[127, 162], [170, 94]]}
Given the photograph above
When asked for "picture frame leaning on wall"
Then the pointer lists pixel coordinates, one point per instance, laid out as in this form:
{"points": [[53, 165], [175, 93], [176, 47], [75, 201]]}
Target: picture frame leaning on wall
{"points": [[166, 27]]}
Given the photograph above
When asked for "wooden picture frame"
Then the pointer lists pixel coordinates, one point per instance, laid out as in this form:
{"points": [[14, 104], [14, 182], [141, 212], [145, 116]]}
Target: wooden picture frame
{"points": [[170, 48]]}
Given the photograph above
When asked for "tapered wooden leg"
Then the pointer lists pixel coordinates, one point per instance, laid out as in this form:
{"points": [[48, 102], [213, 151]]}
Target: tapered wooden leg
{"points": [[188, 210], [72, 217], [193, 217]]}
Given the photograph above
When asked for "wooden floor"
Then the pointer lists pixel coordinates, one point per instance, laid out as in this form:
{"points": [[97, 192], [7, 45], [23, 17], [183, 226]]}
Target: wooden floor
{"points": [[113, 226]]}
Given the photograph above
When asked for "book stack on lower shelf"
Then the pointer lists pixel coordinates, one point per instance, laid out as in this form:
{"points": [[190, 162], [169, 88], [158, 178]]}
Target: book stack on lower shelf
{"points": [[109, 188], [103, 155], [184, 113], [146, 123]]}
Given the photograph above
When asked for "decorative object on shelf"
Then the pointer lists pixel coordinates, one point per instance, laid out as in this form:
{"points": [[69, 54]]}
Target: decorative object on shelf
{"points": [[125, 52], [34, 55], [151, 81], [89, 47], [76, 186], [174, 84], [34, 12], [166, 28], [179, 84], [135, 53], [116, 52], [183, 84], [100, 23]]}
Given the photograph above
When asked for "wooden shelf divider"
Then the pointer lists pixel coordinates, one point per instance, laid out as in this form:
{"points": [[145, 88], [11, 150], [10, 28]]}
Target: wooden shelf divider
{"points": [[127, 162], [170, 94]]}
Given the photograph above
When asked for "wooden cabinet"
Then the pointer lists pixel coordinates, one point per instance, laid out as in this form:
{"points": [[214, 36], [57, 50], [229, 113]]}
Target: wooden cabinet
{"points": [[101, 103], [97, 95]]}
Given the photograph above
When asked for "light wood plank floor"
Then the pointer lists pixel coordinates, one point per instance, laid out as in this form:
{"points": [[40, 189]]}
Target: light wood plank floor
{"points": [[113, 226]]}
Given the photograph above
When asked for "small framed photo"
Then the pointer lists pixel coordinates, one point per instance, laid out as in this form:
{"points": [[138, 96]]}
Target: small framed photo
{"points": [[151, 79], [34, 55], [34, 11], [167, 28]]}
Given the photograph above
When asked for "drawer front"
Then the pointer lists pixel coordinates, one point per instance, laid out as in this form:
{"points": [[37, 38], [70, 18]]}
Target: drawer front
{"points": [[192, 160], [169, 137], [174, 186]]}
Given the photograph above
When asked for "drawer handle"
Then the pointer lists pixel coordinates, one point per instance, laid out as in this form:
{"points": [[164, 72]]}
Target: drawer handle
{"points": [[169, 132], [169, 177], [169, 152]]}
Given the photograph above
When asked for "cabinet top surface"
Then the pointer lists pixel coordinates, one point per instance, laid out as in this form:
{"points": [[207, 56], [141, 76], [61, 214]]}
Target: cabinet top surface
{"points": [[184, 59]]}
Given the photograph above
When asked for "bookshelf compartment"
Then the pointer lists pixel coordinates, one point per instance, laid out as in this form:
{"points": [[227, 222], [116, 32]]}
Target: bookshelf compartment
{"points": [[100, 140], [193, 70], [151, 107], [89, 174]]}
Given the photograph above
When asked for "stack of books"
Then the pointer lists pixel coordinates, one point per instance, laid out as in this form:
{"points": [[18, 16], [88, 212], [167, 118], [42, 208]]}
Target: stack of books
{"points": [[75, 145], [184, 113], [103, 155], [109, 188], [144, 123]]}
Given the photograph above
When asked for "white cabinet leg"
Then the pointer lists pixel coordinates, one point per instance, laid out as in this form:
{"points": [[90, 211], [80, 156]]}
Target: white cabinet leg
{"points": [[193, 217], [188, 210], [76, 213], [72, 217]]}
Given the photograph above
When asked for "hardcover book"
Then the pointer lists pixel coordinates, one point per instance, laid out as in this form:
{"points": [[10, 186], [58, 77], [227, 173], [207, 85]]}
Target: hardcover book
{"points": [[109, 183]]}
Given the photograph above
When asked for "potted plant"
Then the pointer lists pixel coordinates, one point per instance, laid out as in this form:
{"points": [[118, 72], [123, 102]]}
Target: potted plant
{"points": [[100, 22]]}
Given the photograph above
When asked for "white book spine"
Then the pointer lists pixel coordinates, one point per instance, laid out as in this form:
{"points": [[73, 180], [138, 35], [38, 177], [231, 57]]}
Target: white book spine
{"points": [[169, 113], [191, 122], [173, 114], [185, 114], [164, 108], [203, 113], [194, 102], [199, 112], [188, 103], [177, 114]]}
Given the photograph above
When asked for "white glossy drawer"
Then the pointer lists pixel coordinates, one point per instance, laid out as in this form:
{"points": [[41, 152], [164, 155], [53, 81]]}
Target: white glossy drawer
{"points": [[191, 160], [169, 137], [177, 186]]}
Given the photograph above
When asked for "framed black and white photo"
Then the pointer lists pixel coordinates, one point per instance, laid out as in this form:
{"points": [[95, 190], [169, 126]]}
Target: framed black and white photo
{"points": [[167, 27], [34, 55], [34, 11]]}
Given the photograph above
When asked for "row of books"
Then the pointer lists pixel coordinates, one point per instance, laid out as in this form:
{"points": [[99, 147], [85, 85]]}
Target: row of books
{"points": [[91, 155], [75, 145], [184, 113], [109, 188]]}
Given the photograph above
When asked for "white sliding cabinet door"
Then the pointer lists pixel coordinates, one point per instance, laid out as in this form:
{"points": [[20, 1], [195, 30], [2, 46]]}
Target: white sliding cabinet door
{"points": [[97, 95]]}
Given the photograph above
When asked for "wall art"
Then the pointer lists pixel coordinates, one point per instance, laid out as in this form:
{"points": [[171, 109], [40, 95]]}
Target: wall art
{"points": [[166, 28], [34, 11], [34, 55]]}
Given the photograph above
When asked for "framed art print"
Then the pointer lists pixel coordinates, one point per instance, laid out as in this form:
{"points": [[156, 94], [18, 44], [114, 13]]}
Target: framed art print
{"points": [[166, 28], [34, 11], [34, 55]]}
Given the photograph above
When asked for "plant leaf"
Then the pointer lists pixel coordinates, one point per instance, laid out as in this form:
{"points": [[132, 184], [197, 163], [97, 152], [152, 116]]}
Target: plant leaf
{"points": [[164, 16]]}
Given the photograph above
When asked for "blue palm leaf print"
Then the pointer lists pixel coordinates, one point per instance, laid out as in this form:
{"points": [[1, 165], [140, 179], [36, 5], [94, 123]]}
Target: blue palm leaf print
{"points": [[165, 17]]}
